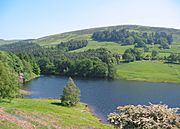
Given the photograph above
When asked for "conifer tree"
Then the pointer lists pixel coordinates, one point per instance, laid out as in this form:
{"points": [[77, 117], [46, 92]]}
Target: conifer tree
{"points": [[71, 94]]}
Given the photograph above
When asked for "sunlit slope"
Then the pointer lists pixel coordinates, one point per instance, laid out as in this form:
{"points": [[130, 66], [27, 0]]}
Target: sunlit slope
{"points": [[46, 114], [111, 46], [86, 34], [153, 71]]}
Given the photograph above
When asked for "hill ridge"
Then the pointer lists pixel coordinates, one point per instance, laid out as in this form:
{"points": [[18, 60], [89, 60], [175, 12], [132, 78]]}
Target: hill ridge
{"points": [[111, 27]]}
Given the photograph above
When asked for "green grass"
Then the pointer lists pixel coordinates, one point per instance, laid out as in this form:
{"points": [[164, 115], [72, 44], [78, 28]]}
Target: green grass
{"points": [[160, 55], [174, 48], [112, 46], [164, 52], [153, 71], [86, 33], [176, 40], [8, 125], [56, 39], [38, 111], [117, 48]]}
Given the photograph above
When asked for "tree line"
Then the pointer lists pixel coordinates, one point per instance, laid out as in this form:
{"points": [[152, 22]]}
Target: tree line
{"points": [[56, 60], [135, 54], [174, 58], [73, 44], [138, 39], [88, 64], [13, 72]]}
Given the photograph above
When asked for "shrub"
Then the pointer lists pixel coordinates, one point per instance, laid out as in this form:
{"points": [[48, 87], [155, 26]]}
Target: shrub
{"points": [[145, 117]]}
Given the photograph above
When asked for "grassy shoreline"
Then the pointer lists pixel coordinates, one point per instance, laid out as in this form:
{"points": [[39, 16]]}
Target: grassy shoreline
{"points": [[45, 113], [150, 71]]}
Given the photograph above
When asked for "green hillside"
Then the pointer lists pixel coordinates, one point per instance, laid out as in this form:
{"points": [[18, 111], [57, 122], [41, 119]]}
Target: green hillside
{"points": [[112, 46], [153, 71], [46, 114], [86, 33], [49, 50], [3, 42], [56, 39]]}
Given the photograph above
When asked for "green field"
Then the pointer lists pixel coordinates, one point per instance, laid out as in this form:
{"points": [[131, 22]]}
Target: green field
{"points": [[176, 39], [111, 46], [153, 71], [174, 48], [46, 113], [117, 48], [160, 55], [56, 39]]}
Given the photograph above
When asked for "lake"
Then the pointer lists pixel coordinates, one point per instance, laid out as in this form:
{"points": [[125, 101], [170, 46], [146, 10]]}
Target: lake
{"points": [[103, 96]]}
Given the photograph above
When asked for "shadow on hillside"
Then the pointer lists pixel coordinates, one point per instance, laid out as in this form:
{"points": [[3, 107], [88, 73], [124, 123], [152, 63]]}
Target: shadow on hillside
{"points": [[57, 103], [171, 62], [5, 101]]}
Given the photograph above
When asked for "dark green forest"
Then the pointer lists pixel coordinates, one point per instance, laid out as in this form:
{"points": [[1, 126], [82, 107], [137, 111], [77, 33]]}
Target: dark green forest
{"points": [[15, 71], [73, 44], [55, 60]]}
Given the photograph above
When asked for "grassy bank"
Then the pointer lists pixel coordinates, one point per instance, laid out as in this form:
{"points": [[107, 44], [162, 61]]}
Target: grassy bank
{"points": [[152, 71], [46, 113]]}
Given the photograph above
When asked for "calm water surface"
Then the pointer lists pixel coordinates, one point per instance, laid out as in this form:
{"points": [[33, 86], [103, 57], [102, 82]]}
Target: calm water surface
{"points": [[105, 95]]}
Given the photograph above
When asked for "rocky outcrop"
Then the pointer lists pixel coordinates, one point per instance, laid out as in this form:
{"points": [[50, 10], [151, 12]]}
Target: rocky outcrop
{"points": [[21, 78]]}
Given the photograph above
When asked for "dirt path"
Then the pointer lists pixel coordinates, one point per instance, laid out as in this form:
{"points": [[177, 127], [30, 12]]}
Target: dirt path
{"points": [[13, 119]]}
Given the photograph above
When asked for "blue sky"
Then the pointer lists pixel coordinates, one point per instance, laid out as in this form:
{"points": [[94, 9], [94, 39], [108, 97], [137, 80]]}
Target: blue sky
{"points": [[22, 19]]}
